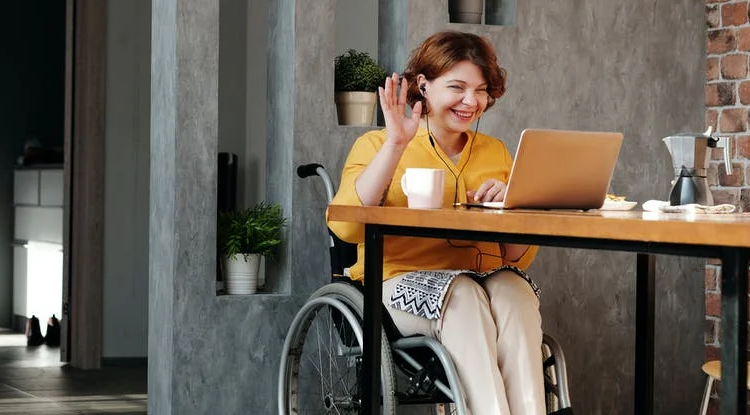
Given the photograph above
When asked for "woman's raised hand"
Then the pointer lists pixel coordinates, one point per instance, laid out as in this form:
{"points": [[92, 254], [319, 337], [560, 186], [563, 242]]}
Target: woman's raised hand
{"points": [[400, 128]]}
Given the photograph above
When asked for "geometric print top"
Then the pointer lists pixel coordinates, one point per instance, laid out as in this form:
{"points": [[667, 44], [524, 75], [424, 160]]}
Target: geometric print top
{"points": [[422, 292]]}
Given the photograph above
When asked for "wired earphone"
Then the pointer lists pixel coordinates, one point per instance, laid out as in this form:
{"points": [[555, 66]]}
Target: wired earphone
{"points": [[479, 253], [423, 89]]}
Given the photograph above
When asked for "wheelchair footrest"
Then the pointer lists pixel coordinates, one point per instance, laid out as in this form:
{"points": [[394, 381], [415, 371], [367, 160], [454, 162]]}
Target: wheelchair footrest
{"points": [[423, 381]]}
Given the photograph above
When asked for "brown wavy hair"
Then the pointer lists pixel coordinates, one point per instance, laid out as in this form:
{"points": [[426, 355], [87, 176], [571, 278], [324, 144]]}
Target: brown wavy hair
{"points": [[439, 52]]}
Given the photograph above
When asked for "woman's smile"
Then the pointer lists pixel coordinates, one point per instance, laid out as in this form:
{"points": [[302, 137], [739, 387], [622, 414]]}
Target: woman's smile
{"points": [[465, 116]]}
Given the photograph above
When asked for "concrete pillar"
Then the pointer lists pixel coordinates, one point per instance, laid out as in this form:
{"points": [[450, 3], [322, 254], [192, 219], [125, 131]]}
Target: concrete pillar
{"points": [[184, 125]]}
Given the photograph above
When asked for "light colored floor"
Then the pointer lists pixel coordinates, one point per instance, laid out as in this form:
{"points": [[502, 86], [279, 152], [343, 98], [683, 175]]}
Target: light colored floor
{"points": [[34, 382]]}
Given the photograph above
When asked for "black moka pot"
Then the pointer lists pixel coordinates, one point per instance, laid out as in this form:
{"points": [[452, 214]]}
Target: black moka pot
{"points": [[691, 153]]}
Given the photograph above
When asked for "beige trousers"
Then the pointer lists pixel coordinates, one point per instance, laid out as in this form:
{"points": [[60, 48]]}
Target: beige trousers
{"points": [[492, 330]]}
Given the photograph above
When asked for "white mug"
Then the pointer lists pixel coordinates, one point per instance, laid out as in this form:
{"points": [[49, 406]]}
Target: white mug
{"points": [[424, 188]]}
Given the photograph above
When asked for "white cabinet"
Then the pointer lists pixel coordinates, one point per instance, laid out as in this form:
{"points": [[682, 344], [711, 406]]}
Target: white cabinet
{"points": [[37, 253], [44, 276], [26, 187], [43, 224], [51, 187], [38, 187], [19, 281], [37, 280], [38, 195]]}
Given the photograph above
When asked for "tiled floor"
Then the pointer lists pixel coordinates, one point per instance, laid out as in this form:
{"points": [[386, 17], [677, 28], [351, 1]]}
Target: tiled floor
{"points": [[34, 382]]}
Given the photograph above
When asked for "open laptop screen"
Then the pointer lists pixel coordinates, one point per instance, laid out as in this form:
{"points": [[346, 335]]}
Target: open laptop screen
{"points": [[560, 169]]}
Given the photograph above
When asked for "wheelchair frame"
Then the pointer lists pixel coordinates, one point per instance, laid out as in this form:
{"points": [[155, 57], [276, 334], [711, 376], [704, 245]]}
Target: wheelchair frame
{"points": [[432, 377]]}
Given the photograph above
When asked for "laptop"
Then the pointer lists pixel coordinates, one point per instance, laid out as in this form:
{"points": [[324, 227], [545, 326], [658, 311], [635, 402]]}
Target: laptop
{"points": [[559, 169]]}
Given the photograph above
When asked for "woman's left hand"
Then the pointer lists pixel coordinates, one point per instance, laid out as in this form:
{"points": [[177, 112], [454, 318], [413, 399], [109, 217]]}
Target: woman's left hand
{"points": [[491, 190]]}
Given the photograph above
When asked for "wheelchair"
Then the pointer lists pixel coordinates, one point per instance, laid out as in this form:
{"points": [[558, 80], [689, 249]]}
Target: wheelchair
{"points": [[321, 360]]}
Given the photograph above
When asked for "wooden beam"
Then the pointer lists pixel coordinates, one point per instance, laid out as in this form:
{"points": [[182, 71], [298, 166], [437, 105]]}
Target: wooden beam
{"points": [[84, 181]]}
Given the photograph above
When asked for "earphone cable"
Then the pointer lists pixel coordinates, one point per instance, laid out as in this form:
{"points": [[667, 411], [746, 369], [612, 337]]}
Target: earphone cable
{"points": [[478, 255], [468, 158], [432, 143]]}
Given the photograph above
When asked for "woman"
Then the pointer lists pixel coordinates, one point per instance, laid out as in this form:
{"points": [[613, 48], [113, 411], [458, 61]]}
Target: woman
{"points": [[483, 308]]}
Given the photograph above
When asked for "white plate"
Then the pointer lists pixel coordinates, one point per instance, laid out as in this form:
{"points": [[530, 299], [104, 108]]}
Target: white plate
{"points": [[618, 205]]}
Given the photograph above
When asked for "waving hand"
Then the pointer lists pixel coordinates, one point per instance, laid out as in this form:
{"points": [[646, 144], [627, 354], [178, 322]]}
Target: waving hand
{"points": [[401, 129]]}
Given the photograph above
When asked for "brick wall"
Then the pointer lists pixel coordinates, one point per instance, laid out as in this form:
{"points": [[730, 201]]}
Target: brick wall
{"points": [[728, 110]]}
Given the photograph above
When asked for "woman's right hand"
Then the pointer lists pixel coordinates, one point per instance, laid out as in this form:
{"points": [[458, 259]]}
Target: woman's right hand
{"points": [[400, 128], [371, 185]]}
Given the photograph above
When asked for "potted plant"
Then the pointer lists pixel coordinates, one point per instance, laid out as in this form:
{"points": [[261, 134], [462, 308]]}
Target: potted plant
{"points": [[244, 235], [357, 78], [465, 11]]}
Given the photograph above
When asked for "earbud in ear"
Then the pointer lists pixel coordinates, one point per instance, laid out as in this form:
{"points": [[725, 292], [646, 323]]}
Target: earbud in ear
{"points": [[423, 89]]}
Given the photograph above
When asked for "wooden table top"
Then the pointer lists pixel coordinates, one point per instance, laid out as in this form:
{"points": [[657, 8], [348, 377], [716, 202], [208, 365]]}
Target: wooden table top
{"points": [[705, 229]]}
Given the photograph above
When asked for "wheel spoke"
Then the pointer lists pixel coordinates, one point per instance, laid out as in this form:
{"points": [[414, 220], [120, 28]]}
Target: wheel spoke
{"points": [[334, 377], [320, 363], [325, 357]]}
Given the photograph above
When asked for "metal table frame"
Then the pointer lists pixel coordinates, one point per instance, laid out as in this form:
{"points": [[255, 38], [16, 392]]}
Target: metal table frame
{"points": [[733, 306]]}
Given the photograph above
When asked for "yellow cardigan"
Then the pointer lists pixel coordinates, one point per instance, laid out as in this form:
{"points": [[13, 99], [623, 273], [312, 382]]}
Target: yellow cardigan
{"points": [[482, 158]]}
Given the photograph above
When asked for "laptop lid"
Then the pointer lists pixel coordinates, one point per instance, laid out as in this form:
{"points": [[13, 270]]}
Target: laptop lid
{"points": [[559, 169]]}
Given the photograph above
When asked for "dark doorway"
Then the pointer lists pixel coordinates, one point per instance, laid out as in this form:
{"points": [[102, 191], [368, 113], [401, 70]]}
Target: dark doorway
{"points": [[52, 117], [32, 74]]}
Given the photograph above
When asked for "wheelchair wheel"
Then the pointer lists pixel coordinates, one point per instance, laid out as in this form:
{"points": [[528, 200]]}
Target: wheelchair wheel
{"points": [[321, 362], [550, 382]]}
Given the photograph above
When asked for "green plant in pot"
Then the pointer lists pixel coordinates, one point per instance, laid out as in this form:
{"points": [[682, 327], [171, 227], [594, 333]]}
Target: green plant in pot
{"points": [[357, 78], [244, 235]]}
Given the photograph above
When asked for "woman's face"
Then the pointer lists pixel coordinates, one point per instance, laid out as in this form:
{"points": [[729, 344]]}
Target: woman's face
{"points": [[456, 99]]}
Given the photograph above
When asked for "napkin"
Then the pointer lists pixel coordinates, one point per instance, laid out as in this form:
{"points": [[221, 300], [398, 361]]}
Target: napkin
{"points": [[664, 206]]}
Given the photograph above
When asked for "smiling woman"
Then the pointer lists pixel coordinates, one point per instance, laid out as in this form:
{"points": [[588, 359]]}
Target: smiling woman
{"points": [[450, 80]]}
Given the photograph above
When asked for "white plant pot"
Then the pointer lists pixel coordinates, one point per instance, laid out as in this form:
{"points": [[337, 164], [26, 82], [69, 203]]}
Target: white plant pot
{"points": [[355, 108], [242, 274], [261, 275]]}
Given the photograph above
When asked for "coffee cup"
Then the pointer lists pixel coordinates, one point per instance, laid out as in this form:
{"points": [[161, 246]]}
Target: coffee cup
{"points": [[424, 188]]}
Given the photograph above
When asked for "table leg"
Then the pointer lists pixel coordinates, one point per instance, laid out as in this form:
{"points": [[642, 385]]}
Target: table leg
{"points": [[733, 331], [373, 289], [644, 334]]}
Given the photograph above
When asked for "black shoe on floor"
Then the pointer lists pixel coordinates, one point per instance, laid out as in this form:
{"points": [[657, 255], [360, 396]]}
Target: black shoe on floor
{"points": [[33, 332], [52, 338]]}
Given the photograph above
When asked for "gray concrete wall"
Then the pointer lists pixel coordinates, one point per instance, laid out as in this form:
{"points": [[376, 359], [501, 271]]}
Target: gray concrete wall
{"points": [[357, 27], [254, 164], [126, 181], [243, 92], [206, 353], [128, 150], [589, 65], [233, 79]]}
